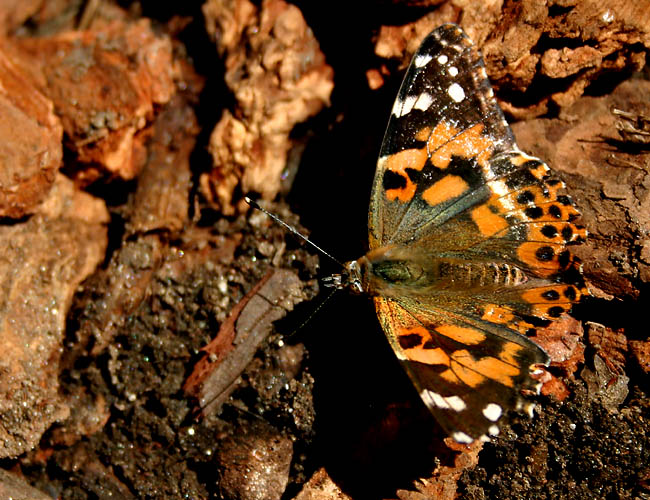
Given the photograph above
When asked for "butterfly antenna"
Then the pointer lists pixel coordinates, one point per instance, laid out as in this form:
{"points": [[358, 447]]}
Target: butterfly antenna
{"points": [[313, 313], [292, 230]]}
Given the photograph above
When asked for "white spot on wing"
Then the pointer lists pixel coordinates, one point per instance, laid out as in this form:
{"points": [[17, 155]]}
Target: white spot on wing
{"points": [[528, 157], [431, 398], [461, 437], [424, 101], [434, 399], [422, 60], [456, 403], [397, 107], [409, 102], [499, 188], [492, 412], [453, 70], [442, 59], [445, 403], [493, 430], [456, 92]]}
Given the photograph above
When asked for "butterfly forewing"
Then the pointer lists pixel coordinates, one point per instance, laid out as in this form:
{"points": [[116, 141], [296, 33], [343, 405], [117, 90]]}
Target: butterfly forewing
{"points": [[441, 111]]}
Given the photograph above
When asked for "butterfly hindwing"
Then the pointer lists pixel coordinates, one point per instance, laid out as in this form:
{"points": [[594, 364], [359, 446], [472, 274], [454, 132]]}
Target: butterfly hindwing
{"points": [[467, 372]]}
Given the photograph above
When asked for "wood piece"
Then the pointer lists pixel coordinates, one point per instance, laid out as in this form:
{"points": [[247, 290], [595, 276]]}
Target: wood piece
{"points": [[43, 261], [30, 142], [279, 78], [239, 337]]}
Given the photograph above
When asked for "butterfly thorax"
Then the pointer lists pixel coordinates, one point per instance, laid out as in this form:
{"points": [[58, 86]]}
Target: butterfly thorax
{"points": [[399, 271]]}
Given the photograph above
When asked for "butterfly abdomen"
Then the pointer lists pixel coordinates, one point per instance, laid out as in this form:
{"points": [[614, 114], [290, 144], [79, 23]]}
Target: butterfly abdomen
{"points": [[399, 271], [474, 275]]}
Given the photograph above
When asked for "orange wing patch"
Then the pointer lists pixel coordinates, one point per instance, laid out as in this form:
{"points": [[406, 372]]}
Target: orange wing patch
{"points": [[441, 135], [447, 188], [445, 142], [467, 336], [555, 232], [488, 222], [497, 314], [464, 369], [398, 163]]}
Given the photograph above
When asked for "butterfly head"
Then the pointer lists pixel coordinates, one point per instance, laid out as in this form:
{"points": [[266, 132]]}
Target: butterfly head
{"points": [[351, 277]]}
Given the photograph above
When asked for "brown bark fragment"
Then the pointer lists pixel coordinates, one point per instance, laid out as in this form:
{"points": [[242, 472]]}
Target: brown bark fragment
{"points": [[605, 374], [607, 387], [560, 63], [239, 337], [220, 346], [16, 488], [562, 340], [403, 41], [640, 349], [104, 83], [600, 39], [163, 193], [321, 487], [554, 386], [66, 201], [611, 345], [279, 78], [88, 415], [375, 80], [13, 14], [30, 142], [44, 17], [443, 482], [634, 128], [44, 259], [160, 204]]}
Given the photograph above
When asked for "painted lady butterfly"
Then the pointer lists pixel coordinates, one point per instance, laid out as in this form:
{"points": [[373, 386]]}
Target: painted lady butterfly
{"points": [[468, 240]]}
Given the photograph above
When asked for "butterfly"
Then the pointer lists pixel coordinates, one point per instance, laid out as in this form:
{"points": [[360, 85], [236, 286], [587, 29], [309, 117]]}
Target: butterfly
{"points": [[468, 242]]}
